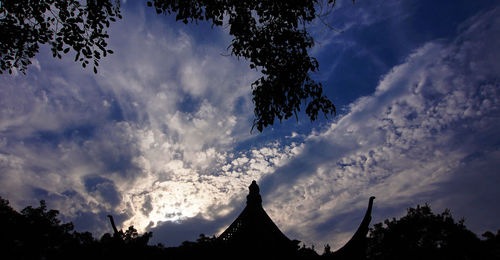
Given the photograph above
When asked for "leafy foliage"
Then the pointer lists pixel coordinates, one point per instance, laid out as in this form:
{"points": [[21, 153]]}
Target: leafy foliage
{"points": [[271, 35], [491, 245], [421, 234], [62, 24], [37, 233]]}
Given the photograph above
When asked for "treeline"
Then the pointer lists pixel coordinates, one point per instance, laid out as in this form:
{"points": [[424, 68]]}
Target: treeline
{"points": [[421, 234], [37, 233]]}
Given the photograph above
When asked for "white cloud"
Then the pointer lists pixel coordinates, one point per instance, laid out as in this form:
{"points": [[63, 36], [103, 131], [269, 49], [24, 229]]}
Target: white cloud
{"points": [[155, 135], [400, 144], [149, 138]]}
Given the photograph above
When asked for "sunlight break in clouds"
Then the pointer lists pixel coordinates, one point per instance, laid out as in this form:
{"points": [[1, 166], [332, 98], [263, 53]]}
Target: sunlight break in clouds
{"points": [[159, 138], [402, 144], [149, 139]]}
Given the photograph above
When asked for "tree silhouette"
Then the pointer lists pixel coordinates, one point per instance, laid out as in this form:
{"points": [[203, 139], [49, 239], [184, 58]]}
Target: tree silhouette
{"points": [[421, 234], [37, 233], [491, 246], [271, 35], [62, 24]]}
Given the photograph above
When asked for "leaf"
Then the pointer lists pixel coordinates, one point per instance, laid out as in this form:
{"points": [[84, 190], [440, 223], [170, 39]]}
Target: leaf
{"points": [[271, 35]]}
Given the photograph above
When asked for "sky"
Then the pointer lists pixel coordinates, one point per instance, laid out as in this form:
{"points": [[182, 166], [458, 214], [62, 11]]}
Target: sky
{"points": [[160, 137]]}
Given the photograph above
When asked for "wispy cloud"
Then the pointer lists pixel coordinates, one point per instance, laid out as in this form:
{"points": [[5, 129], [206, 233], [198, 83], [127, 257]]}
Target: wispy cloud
{"points": [[401, 144], [346, 16], [149, 139], [157, 138]]}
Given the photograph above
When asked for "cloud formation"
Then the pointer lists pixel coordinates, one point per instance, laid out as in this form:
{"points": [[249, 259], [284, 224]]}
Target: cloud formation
{"points": [[159, 138], [429, 118], [149, 139]]}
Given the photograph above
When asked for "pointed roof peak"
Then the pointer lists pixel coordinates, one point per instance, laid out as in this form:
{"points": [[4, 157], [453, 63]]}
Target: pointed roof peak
{"points": [[254, 229], [253, 197], [255, 233]]}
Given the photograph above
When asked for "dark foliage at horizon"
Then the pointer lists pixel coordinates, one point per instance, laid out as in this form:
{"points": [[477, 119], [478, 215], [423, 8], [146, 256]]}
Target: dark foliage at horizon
{"points": [[37, 233], [421, 234]]}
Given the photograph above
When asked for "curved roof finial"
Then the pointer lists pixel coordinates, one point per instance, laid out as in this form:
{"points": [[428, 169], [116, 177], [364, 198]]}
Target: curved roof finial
{"points": [[355, 247]]}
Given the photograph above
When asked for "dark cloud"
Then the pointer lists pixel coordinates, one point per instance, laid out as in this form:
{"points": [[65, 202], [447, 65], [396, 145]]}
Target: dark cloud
{"points": [[97, 222], [104, 188], [427, 117], [174, 233], [147, 206], [472, 193], [76, 133], [162, 131]]}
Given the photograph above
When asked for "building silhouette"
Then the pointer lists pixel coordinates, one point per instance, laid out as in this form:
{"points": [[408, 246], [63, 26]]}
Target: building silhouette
{"points": [[254, 235]]}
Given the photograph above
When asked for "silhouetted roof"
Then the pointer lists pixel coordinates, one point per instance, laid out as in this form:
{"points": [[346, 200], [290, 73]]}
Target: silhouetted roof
{"points": [[254, 229], [254, 233]]}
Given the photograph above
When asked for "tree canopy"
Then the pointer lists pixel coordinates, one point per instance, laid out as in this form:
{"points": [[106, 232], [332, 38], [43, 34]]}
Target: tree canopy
{"points": [[37, 233], [271, 35], [422, 234], [62, 24]]}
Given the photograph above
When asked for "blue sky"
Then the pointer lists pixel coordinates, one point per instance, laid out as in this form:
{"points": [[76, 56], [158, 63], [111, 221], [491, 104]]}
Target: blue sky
{"points": [[160, 138]]}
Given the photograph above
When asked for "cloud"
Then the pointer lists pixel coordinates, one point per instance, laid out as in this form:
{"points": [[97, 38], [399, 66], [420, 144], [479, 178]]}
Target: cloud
{"points": [[150, 139], [159, 138], [347, 16], [174, 233], [403, 144]]}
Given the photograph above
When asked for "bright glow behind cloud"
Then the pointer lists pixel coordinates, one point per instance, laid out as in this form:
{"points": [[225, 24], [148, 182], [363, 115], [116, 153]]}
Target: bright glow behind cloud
{"points": [[159, 135], [149, 139]]}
